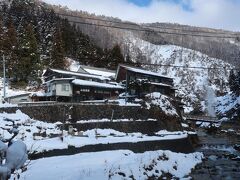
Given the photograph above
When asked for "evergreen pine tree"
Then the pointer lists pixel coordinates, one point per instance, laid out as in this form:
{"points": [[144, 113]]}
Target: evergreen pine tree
{"points": [[232, 80], [237, 82], [69, 37], [57, 52], [115, 57], [29, 63], [1, 36], [128, 59], [11, 46]]}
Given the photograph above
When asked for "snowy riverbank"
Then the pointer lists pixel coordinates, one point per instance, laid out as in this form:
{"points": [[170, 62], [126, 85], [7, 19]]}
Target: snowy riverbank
{"points": [[121, 164]]}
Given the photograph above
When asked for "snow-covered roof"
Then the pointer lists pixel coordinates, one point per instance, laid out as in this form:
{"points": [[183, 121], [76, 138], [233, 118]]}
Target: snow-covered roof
{"points": [[59, 79], [38, 94], [79, 74], [96, 84], [99, 71], [18, 95], [160, 84], [142, 71]]}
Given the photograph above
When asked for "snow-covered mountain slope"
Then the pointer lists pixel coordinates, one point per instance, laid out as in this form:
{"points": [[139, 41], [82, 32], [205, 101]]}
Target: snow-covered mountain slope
{"points": [[192, 84], [228, 105]]}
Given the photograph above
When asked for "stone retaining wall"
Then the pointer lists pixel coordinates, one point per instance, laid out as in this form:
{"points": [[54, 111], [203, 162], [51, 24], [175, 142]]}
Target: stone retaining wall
{"points": [[175, 145], [145, 127], [59, 112]]}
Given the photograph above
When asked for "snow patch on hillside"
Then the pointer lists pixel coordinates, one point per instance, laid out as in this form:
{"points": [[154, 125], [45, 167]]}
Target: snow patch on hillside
{"points": [[226, 103], [72, 65], [190, 82], [163, 102]]}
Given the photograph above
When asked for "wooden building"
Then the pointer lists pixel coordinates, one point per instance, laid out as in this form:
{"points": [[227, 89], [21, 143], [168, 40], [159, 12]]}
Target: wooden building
{"points": [[68, 86], [140, 82]]}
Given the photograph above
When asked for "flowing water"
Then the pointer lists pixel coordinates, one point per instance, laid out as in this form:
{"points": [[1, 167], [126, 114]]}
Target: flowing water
{"points": [[222, 160]]}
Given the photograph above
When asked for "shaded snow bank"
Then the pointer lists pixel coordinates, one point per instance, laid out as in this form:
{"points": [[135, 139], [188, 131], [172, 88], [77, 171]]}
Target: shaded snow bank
{"points": [[121, 164], [162, 101]]}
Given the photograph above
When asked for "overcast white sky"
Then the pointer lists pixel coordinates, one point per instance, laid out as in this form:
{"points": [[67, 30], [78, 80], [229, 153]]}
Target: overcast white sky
{"points": [[221, 14]]}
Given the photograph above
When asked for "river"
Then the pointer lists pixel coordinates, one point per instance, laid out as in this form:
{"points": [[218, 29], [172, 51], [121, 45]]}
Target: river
{"points": [[222, 156]]}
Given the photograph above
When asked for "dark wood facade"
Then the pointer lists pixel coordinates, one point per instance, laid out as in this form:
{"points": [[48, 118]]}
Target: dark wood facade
{"points": [[140, 82], [84, 93]]}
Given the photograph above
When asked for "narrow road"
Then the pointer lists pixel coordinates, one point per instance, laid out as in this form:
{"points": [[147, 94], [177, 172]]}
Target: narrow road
{"points": [[222, 161]]}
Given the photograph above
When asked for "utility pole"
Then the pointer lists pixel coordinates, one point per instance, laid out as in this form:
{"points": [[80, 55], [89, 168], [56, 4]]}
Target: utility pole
{"points": [[4, 78], [126, 92]]}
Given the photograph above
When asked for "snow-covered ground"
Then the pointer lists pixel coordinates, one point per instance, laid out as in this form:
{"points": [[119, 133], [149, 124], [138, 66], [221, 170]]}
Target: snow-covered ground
{"points": [[109, 120], [96, 136], [121, 164]]}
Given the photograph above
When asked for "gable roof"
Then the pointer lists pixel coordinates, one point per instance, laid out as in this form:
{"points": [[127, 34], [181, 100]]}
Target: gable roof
{"points": [[82, 70], [18, 95], [98, 71], [140, 71], [88, 75], [96, 84], [59, 79]]}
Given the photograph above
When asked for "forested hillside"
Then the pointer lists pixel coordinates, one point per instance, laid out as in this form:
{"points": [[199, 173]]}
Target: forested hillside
{"points": [[107, 31], [33, 37]]}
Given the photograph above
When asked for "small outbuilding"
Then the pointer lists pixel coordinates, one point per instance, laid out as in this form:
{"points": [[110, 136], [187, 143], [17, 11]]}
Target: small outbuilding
{"points": [[19, 98]]}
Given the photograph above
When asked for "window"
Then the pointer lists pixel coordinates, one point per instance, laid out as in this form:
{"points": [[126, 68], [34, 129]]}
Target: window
{"points": [[54, 87], [106, 92], [23, 100], [65, 87], [99, 91], [85, 90]]}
